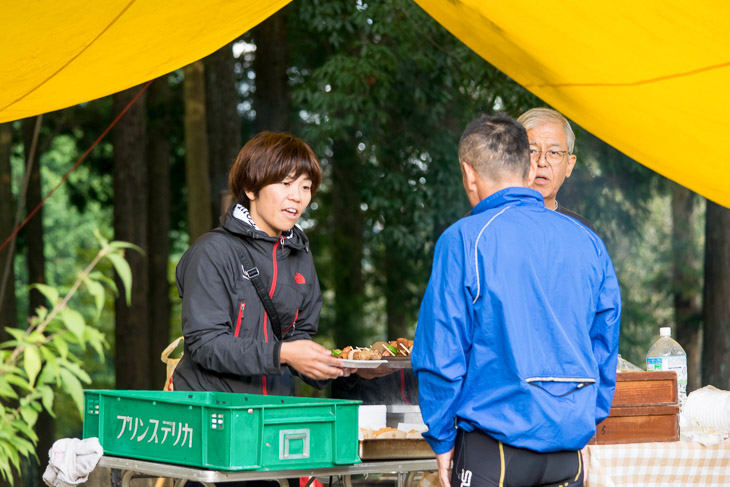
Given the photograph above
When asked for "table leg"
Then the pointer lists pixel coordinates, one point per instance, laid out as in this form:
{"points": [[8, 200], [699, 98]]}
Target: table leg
{"points": [[127, 478], [409, 478], [182, 482]]}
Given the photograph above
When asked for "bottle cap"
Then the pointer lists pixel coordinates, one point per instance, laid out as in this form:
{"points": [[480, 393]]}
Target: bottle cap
{"points": [[665, 331]]}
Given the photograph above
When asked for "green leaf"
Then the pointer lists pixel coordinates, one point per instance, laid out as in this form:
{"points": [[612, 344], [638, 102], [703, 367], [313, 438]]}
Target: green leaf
{"points": [[47, 397], [18, 381], [96, 339], [118, 245], [74, 323], [97, 291], [29, 415], [25, 429], [50, 373], [49, 356], [78, 372], [6, 390], [72, 386], [9, 369], [31, 362], [16, 333], [125, 274], [61, 346], [50, 292], [40, 314], [36, 337], [10, 454], [22, 445], [98, 276]]}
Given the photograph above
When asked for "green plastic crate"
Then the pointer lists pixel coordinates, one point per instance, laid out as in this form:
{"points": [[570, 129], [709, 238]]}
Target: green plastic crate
{"points": [[224, 431]]}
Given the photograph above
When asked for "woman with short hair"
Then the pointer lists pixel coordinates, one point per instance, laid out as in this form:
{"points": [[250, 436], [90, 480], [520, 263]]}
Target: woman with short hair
{"points": [[231, 344]]}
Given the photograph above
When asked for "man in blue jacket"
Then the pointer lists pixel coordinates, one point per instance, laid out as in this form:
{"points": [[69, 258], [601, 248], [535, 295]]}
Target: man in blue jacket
{"points": [[517, 339]]}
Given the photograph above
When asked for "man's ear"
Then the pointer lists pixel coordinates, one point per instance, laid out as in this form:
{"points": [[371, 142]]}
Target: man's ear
{"points": [[471, 182], [532, 173], [469, 178], [251, 195], [571, 164]]}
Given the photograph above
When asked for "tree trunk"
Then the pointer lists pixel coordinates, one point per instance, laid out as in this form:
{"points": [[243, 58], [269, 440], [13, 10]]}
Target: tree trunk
{"points": [[159, 154], [685, 282], [45, 426], [716, 305], [347, 246], [130, 224], [8, 310], [223, 122], [34, 228], [397, 264], [271, 99], [396, 294], [196, 152]]}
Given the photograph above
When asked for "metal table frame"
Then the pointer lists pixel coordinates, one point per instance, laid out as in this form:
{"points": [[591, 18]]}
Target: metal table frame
{"points": [[132, 467]]}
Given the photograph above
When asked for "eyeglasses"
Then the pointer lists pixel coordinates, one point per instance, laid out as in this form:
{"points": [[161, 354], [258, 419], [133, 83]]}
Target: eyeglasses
{"points": [[551, 156]]}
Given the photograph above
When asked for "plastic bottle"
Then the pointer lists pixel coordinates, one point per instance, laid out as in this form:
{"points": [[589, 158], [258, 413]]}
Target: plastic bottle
{"points": [[667, 354]]}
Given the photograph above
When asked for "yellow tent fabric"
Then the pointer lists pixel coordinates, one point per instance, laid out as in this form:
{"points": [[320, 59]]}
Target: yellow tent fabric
{"points": [[54, 54], [649, 78]]}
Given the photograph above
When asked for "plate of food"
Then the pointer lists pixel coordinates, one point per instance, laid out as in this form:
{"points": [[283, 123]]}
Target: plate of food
{"points": [[362, 364], [395, 353]]}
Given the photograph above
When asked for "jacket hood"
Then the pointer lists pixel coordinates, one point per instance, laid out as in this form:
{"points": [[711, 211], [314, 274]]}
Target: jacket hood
{"points": [[294, 239]]}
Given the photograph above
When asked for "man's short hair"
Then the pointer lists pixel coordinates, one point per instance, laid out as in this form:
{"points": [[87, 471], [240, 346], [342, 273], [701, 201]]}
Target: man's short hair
{"points": [[495, 146], [538, 116], [269, 158]]}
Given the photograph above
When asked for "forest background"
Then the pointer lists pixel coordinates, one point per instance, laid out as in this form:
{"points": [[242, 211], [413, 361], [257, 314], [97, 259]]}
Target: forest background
{"points": [[381, 92]]}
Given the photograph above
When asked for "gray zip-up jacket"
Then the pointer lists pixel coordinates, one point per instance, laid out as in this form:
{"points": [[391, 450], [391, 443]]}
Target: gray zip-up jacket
{"points": [[230, 345]]}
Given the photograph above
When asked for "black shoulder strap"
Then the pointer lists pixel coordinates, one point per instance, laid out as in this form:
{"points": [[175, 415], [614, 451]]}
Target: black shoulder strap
{"points": [[253, 274]]}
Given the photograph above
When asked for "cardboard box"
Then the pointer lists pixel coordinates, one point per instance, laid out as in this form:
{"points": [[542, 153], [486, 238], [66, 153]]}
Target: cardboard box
{"points": [[644, 409]]}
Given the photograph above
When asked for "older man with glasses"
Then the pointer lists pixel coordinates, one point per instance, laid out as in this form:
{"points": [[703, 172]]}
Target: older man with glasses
{"points": [[551, 148]]}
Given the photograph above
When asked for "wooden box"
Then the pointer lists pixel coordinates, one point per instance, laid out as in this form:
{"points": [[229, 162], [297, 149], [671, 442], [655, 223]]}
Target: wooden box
{"points": [[644, 409]]}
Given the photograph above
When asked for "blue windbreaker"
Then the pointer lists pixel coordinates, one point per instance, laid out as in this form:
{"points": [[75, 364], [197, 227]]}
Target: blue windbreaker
{"points": [[518, 330]]}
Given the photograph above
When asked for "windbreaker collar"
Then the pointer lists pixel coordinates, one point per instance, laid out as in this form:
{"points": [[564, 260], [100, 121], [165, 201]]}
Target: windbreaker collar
{"points": [[236, 222], [522, 196]]}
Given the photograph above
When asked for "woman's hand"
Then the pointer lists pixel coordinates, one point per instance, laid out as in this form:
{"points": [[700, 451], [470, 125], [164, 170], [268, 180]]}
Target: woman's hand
{"points": [[313, 360]]}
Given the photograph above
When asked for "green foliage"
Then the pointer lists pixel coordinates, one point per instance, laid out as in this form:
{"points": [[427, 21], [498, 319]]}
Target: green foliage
{"points": [[395, 89], [42, 360]]}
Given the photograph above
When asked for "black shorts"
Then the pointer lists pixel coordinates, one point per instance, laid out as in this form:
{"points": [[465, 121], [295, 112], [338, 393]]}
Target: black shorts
{"points": [[481, 461]]}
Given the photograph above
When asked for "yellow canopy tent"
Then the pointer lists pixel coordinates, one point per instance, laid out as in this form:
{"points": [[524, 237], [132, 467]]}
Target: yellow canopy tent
{"points": [[650, 79], [56, 54]]}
